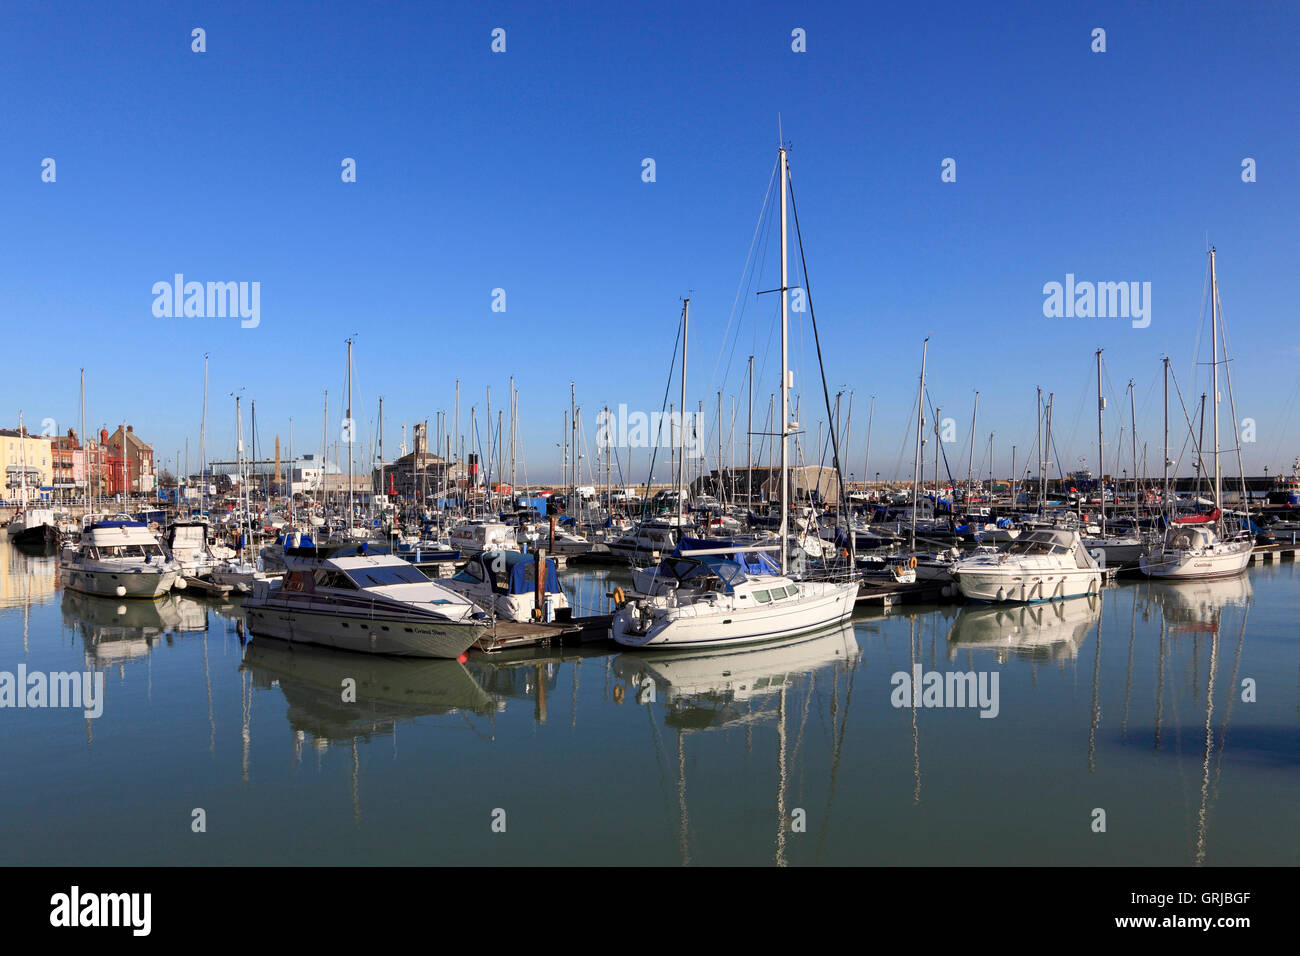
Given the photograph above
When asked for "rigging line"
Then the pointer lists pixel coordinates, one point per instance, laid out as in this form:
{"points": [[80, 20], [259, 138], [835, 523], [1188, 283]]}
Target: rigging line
{"points": [[902, 448], [654, 455], [1191, 432], [812, 317], [742, 285]]}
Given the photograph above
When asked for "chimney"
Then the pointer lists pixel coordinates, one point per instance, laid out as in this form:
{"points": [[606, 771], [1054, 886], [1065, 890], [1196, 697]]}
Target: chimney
{"points": [[130, 428], [103, 436]]}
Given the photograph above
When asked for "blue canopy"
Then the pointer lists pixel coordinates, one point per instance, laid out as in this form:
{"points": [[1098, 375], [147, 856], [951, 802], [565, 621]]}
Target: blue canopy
{"points": [[521, 577]]}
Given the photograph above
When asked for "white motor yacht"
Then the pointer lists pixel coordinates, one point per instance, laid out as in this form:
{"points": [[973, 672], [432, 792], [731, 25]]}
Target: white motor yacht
{"points": [[476, 536], [1041, 565], [118, 556], [721, 603], [346, 598]]}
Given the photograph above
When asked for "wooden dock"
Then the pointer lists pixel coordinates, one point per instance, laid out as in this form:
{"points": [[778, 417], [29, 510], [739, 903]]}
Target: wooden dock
{"points": [[886, 595], [1281, 551]]}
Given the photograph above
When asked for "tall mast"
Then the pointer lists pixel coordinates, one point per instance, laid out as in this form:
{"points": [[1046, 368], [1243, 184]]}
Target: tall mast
{"points": [[239, 464], [920, 427], [352, 511], [871, 420], [381, 444], [22, 439], [514, 412], [203, 437], [1165, 493], [970, 464], [324, 449], [681, 429], [85, 447], [718, 487], [785, 374], [1214, 365], [1043, 467], [1132, 428], [1101, 454], [749, 442]]}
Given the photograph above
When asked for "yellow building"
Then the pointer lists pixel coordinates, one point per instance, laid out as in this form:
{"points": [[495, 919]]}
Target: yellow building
{"points": [[19, 451]]}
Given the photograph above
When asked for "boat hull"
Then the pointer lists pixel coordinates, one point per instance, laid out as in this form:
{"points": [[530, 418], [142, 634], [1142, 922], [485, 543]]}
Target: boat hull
{"points": [[364, 633], [1186, 566], [1027, 587], [751, 625], [141, 584]]}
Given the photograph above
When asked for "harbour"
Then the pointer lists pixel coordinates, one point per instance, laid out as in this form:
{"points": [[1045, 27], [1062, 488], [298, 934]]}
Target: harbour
{"points": [[442, 439], [1113, 696]]}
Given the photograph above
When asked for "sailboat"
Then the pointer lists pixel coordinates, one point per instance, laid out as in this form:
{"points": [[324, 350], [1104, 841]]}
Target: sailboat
{"points": [[1202, 550], [726, 603]]}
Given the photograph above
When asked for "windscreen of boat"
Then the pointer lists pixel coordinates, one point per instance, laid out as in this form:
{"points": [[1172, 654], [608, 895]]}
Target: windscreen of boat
{"points": [[1036, 545], [147, 551], [387, 574], [729, 572]]}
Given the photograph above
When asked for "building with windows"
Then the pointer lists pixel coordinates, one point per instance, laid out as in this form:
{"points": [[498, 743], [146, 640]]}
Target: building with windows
{"points": [[128, 462], [28, 463]]}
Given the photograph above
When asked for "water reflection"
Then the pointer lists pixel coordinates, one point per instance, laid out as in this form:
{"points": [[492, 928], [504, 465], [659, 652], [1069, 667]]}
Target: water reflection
{"points": [[1192, 615], [1050, 631], [702, 690], [115, 631], [387, 690]]}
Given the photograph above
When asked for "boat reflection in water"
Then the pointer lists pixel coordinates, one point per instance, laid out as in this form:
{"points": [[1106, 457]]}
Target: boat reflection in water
{"points": [[1195, 643], [388, 690], [1197, 606], [726, 685], [1036, 632], [116, 631]]}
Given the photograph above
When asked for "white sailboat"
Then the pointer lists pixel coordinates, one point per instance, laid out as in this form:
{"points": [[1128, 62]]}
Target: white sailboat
{"points": [[725, 603], [1206, 549]]}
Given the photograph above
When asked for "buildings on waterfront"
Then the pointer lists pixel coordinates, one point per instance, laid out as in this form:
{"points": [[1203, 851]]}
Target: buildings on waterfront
{"points": [[128, 462], [27, 462]]}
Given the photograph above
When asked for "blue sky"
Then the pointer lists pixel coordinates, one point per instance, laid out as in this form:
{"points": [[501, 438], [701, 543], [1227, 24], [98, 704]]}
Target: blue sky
{"points": [[522, 171]]}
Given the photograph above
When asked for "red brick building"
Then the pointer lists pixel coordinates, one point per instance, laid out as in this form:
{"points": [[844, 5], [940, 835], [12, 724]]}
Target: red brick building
{"points": [[128, 462]]}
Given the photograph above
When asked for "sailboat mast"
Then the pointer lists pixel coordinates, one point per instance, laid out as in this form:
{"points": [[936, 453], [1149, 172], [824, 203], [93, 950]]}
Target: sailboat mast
{"points": [[203, 437], [85, 446], [1165, 494], [970, 463], [1101, 453], [1214, 375], [749, 442], [1132, 428], [920, 427], [352, 511], [681, 430], [785, 375]]}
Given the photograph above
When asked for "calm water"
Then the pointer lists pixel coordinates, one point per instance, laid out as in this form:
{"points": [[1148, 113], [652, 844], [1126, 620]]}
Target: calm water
{"points": [[1132, 704]]}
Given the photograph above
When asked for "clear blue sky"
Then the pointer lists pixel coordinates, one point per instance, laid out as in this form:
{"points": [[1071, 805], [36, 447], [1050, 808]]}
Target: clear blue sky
{"points": [[522, 171]]}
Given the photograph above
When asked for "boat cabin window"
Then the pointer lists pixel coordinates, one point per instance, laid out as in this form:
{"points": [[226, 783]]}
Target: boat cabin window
{"points": [[472, 573], [1032, 546], [388, 574], [763, 597], [326, 578], [297, 581], [130, 551]]}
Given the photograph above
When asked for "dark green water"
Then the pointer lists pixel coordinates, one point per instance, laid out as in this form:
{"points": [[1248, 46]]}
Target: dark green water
{"points": [[792, 753]]}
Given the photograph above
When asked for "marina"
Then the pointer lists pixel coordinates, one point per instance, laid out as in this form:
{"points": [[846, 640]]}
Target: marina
{"points": [[707, 750], [776, 437]]}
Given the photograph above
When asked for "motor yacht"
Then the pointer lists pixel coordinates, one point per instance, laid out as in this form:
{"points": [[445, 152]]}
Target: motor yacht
{"points": [[348, 598]]}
